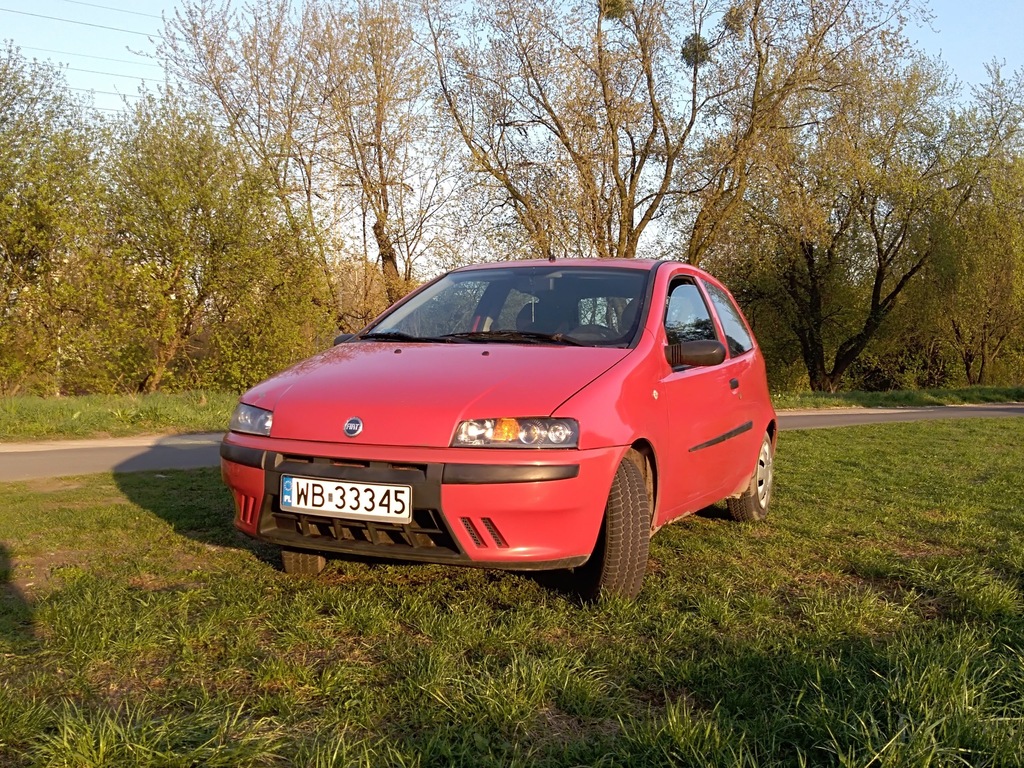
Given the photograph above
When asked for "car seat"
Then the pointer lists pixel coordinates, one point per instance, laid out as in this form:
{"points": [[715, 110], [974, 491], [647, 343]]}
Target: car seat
{"points": [[542, 317]]}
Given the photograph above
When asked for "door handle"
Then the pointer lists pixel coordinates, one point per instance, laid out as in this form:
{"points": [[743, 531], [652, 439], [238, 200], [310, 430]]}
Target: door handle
{"points": [[734, 383]]}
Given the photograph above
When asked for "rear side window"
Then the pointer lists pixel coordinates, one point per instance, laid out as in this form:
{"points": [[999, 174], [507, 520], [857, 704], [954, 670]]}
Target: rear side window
{"points": [[737, 337], [686, 315]]}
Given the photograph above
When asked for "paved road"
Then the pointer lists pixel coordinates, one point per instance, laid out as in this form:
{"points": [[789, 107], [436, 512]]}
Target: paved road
{"points": [[26, 461], [845, 417]]}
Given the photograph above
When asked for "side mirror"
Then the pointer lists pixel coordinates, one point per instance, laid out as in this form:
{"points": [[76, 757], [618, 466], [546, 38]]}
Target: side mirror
{"points": [[696, 353], [341, 338]]}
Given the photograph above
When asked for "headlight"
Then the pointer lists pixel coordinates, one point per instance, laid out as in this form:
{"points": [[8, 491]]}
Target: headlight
{"points": [[517, 433], [250, 419]]}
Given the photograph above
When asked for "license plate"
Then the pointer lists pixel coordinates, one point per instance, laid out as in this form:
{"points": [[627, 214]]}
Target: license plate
{"points": [[338, 498]]}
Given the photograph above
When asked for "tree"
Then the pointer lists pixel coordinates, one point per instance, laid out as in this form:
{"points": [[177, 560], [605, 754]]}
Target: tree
{"points": [[591, 117], [982, 283], [332, 99], [199, 242], [855, 205], [254, 69], [48, 218], [373, 77]]}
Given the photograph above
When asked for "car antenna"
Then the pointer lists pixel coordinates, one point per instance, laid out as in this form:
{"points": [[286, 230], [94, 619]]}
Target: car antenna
{"points": [[551, 258]]}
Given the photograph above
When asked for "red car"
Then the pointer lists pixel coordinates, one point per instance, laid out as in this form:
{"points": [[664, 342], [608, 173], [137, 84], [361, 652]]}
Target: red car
{"points": [[519, 415]]}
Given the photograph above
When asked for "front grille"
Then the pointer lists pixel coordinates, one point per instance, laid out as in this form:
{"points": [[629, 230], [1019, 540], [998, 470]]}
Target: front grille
{"points": [[425, 537], [426, 533]]}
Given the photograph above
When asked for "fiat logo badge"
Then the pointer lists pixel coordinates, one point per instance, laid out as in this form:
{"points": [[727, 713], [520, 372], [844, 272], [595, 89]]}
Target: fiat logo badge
{"points": [[353, 426]]}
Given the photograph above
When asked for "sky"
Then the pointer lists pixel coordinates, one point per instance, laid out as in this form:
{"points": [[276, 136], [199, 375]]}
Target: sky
{"points": [[106, 46]]}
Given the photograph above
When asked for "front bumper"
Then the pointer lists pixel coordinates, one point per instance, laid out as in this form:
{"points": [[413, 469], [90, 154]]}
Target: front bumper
{"points": [[510, 509]]}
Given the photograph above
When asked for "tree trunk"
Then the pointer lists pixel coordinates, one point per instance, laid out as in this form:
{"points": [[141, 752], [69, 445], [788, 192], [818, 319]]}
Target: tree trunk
{"points": [[388, 261], [983, 369]]}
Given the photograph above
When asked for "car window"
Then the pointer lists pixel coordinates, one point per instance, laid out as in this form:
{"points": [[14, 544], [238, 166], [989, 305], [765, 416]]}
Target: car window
{"points": [[686, 315], [605, 304], [450, 310], [737, 337], [589, 306]]}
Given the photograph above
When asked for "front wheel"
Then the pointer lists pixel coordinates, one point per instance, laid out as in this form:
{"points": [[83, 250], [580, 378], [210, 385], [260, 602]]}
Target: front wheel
{"points": [[297, 562], [752, 504], [619, 560]]}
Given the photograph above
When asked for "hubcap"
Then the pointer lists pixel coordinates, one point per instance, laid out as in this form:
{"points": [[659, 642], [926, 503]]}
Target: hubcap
{"points": [[764, 475]]}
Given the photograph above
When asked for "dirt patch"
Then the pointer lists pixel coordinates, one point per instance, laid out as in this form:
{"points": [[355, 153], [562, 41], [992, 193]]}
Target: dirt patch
{"points": [[916, 550], [111, 501], [142, 675], [34, 574], [52, 485]]}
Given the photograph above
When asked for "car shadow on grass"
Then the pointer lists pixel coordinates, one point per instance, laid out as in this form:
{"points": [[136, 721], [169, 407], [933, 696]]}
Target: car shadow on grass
{"points": [[197, 504], [191, 498]]}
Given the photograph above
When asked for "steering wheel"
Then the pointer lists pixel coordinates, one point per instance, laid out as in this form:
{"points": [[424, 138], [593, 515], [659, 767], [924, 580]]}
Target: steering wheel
{"points": [[592, 333]]}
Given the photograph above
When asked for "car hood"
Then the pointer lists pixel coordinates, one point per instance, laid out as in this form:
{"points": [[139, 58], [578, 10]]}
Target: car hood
{"points": [[416, 394]]}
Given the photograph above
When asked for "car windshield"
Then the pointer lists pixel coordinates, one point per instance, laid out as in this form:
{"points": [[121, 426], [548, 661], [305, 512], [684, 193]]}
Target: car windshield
{"points": [[576, 306]]}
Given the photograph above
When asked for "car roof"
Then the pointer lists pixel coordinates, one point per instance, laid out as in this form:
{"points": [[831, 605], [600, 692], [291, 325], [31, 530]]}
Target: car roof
{"points": [[638, 264]]}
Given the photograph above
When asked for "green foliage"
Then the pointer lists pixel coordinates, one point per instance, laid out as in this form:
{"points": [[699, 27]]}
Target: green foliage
{"points": [[696, 51], [214, 288], [615, 9], [858, 210], [48, 222], [149, 257], [979, 280], [899, 399]]}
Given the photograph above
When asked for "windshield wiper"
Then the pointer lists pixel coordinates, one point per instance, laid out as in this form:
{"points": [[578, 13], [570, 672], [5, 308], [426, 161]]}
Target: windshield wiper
{"points": [[511, 336], [402, 336]]}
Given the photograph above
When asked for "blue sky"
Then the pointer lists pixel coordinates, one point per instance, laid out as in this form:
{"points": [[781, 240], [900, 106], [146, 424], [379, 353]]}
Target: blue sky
{"points": [[86, 35], [970, 33]]}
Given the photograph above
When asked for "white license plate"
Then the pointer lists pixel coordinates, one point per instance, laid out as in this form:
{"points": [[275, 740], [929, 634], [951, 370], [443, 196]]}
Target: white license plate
{"points": [[339, 498]]}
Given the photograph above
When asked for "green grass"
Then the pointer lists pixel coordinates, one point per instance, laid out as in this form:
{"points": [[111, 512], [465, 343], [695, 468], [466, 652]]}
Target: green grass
{"points": [[37, 418], [898, 399], [876, 619]]}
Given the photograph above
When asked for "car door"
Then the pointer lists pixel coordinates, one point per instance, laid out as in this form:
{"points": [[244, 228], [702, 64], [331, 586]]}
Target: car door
{"points": [[746, 377], [701, 407]]}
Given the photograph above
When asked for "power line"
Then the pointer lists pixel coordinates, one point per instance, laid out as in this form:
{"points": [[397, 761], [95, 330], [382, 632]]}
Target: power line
{"points": [[111, 74], [110, 8], [81, 23], [106, 93], [89, 56]]}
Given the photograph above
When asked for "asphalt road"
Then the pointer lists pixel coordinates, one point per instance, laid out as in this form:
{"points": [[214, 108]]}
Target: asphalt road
{"points": [[26, 461], [57, 458]]}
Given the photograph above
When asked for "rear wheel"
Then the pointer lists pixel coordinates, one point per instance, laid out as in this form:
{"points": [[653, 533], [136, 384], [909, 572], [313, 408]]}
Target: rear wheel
{"points": [[297, 562], [752, 505], [619, 560]]}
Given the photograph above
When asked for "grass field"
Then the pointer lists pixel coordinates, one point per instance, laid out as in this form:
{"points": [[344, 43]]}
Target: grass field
{"points": [[876, 619], [36, 418]]}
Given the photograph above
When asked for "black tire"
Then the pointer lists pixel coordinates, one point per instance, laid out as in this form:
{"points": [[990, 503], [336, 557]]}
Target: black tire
{"points": [[296, 562], [752, 505], [619, 560]]}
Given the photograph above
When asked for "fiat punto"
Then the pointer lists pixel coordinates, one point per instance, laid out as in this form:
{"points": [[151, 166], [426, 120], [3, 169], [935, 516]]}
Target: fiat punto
{"points": [[518, 415]]}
